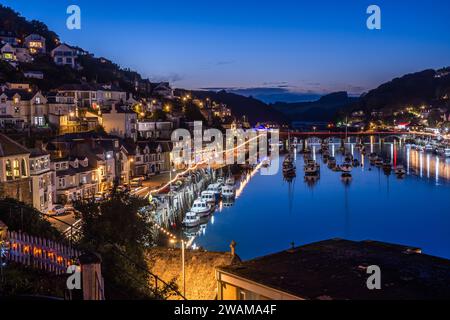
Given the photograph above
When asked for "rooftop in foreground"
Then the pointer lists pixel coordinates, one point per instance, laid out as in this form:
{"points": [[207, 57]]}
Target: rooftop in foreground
{"points": [[337, 269]]}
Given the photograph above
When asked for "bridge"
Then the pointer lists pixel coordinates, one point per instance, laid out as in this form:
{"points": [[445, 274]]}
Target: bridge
{"points": [[342, 134]]}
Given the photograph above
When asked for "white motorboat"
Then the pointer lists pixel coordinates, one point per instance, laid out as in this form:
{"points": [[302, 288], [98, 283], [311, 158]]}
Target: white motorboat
{"points": [[201, 208], [191, 220], [209, 197], [216, 188], [228, 191], [220, 180]]}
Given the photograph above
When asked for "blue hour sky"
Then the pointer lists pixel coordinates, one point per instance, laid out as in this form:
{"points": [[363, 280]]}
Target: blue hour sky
{"points": [[300, 46]]}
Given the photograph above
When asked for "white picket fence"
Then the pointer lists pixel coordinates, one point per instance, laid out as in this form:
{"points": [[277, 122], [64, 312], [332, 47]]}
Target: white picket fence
{"points": [[40, 253]]}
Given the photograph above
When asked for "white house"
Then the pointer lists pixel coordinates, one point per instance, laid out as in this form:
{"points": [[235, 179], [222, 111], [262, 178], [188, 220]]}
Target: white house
{"points": [[35, 44], [121, 121], [63, 55], [41, 180]]}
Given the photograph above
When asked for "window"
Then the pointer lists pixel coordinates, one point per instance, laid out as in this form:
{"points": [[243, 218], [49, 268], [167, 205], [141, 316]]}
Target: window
{"points": [[62, 182], [9, 172], [68, 60], [24, 168], [59, 60], [16, 168], [38, 100]]}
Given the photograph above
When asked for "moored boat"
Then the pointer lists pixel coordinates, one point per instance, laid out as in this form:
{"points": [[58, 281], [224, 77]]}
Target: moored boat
{"points": [[228, 191], [191, 220], [201, 208], [209, 197]]}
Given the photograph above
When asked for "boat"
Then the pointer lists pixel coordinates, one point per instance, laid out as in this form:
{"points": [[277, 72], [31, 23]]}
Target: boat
{"points": [[201, 208], [288, 166], [447, 152], [373, 157], [311, 168], [400, 170], [191, 220], [216, 188], [346, 168], [387, 165], [228, 191], [209, 197], [429, 148], [378, 162]]}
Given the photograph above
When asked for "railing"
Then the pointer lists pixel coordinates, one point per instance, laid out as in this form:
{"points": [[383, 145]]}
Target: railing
{"points": [[40, 253]]}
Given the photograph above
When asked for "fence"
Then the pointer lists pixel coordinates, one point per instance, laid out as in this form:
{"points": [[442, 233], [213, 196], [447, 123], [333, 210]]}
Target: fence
{"points": [[40, 253]]}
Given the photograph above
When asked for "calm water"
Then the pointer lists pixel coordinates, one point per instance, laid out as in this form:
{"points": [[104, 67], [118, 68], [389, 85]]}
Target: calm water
{"points": [[270, 213]]}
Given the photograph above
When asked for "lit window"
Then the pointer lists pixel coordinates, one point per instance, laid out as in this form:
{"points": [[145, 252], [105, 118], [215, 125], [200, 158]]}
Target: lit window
{"points": [[9, 172], [16, 168]]}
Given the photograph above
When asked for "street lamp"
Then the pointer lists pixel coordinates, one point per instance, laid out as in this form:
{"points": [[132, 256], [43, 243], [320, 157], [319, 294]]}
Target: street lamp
{"points": [[183, 267]]}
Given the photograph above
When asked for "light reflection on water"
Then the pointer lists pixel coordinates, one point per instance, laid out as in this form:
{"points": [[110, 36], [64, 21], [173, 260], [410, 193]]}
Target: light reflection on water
{"points": [[270, 214]]}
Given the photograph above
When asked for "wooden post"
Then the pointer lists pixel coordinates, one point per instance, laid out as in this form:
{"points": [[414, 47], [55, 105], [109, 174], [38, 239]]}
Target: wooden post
{"points": [[92, 280]]}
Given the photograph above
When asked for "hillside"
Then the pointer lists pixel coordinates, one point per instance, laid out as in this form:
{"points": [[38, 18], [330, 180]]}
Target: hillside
{"points": [[324, 109], [428, 87], [255, 110], [11, 21], [91, 69]]}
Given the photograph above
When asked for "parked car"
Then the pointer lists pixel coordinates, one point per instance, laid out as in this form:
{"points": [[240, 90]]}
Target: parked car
{"points": [[136, 182], [58, 210], [99, 196]]}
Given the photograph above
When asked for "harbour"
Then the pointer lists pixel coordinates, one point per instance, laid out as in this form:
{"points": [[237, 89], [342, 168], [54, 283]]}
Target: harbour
{"points": [[272, 213]]}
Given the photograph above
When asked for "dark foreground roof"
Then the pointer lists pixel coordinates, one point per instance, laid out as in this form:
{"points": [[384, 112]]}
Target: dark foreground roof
{"points": [[337, 269], [9, 147]]}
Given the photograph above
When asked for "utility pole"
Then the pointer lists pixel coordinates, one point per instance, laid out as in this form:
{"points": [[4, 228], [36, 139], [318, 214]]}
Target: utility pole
{"points": [[183, 245]]}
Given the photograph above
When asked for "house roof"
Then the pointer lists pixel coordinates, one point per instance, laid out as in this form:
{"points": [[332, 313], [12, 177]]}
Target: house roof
{"points": [[337, 269], [9, 147], [36, 152], [77, 87], [25, 95]]}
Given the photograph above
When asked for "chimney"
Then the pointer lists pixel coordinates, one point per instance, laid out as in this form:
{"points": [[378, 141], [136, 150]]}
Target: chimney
{"points": [[233, 248], [39, 144]]}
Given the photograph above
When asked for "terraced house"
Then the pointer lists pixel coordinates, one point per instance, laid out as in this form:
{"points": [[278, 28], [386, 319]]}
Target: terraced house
{"points": [[15, 179]]}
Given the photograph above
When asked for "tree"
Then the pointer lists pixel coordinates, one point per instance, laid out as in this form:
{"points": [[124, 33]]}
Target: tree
{"points": [[20, 216], [120, 232], [434, 118]]}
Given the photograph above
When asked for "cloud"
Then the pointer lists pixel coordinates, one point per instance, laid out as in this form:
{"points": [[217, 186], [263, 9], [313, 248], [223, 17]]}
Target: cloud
{"points": [[172, 78], [224, 62]]}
